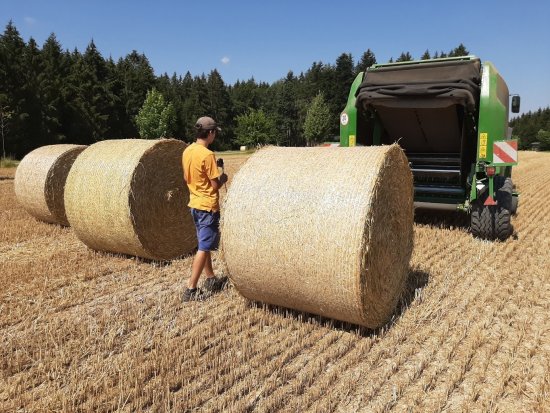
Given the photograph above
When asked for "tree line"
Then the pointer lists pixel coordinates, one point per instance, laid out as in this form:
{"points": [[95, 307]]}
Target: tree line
{"points": [[49, 96], [533, 128]]}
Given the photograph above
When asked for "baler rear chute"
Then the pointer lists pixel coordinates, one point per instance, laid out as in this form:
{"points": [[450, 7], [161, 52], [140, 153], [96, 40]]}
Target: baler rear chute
{"points": [[451, 118]]}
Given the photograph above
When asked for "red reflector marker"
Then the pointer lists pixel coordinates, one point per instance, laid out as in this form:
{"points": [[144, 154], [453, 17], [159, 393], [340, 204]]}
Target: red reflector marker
{"points": [[489, 201]]}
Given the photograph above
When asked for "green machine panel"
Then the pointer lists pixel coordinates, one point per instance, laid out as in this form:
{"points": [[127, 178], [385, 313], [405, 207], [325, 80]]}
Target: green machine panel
{"points": [[493, 112], [348, 117]]}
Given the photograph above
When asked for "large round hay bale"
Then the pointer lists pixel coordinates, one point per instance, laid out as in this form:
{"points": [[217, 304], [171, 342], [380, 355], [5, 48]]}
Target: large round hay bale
{"points": [[40, 181], [328, 231], [128, 196]]}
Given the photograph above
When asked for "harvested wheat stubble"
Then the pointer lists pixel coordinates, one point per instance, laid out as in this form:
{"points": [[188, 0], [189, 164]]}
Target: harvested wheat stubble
{"points": [[128, 196], [40, 181], [323, 230]]}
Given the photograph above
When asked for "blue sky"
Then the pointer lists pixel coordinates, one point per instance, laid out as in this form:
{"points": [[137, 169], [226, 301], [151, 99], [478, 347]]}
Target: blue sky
{"points": [[266, 39]]}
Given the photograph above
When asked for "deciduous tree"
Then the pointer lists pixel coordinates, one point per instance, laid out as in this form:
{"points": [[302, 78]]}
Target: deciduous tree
{"points": [[255, 128], [156, 118], [317, 124], [543, 136]]}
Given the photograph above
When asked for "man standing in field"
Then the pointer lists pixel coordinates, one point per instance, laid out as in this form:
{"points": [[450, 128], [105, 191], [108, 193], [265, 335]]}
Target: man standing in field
{"points": [[204, 180]]}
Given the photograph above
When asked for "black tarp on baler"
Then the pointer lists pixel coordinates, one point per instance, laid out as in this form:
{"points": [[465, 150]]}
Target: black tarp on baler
{"points": [[422, 105]]}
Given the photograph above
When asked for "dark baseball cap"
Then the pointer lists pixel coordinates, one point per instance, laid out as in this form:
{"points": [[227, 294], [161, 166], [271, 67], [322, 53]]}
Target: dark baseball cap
{"points": [[206, 123]]}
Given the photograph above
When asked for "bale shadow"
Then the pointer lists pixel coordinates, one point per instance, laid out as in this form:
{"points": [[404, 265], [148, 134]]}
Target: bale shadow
{"points": [[6, 178], [312, 319], [442, 219], [416, 281], [143, 260]]}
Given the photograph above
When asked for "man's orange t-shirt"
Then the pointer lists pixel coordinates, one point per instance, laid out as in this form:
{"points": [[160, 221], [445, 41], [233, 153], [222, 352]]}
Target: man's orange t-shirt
{"points": [[199, 167]]}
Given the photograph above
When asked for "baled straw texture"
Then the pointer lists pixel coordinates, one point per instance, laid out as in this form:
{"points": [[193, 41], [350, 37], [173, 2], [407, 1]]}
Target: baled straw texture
{"points": [[40, 181], [129, 196], [328, 231]]}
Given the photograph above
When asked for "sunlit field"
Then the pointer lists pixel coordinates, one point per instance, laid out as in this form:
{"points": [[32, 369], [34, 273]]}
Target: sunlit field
{"points": [[88, 331]]}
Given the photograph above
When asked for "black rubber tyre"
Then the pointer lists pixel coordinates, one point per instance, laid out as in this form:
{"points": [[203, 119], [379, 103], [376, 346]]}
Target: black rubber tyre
{"points": [[504, 187], [494, 221], [503, 214], [515, 202], [482, 222], [503, 224]]}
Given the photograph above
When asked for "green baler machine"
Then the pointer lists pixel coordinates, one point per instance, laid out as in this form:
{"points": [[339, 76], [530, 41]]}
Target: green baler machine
{"points": [[450, 116]]}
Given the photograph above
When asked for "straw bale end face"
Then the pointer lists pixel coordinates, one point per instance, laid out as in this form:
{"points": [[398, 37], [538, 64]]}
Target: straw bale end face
{"points": [[331, 235], [388, 239], [128, 196], [40, 181]]}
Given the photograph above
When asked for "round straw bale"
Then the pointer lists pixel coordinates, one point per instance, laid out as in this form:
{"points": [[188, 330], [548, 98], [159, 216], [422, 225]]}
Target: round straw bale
{"points": [[328, 231], [128, 196], [40, 181]]}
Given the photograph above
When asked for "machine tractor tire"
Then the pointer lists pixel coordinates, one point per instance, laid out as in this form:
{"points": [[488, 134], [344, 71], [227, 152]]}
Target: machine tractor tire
{"points": [[504, 188], [494, 222], [505, 201], [482, 220], [515, 201]]}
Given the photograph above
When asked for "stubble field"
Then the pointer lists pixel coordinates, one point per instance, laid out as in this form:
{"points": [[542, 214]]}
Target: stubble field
{"points": [[88, 331]]}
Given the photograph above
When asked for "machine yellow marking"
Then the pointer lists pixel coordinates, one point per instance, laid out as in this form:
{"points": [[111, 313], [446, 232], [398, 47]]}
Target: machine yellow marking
{"points": [[483, 145]]}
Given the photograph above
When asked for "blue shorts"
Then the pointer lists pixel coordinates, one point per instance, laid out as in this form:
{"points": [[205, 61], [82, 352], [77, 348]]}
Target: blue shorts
{"points": [[208, 228]]}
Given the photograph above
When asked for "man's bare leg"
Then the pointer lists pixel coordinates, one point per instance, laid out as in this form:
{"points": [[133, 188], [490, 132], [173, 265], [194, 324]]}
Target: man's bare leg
{"points": [[208, 268], [201, 261]]}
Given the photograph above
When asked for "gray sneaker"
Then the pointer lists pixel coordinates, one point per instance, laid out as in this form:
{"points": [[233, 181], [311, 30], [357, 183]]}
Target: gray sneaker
{"points": [[214, 284], [191, 294]]}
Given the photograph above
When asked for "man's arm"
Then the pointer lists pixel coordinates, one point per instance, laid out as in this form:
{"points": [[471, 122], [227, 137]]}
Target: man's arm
{"points": [[216, 180], [217, 183]]}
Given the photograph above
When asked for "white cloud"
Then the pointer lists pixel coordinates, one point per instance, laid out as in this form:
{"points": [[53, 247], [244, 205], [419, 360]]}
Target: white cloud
{"points": [[30, 20], [225, 60]]}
